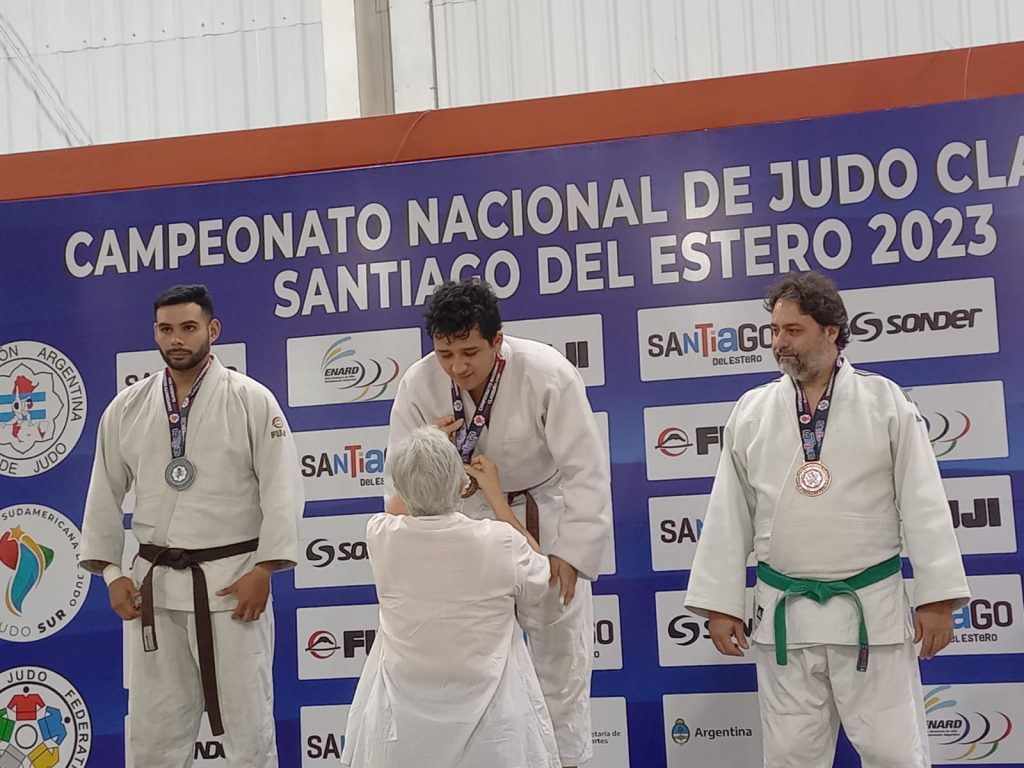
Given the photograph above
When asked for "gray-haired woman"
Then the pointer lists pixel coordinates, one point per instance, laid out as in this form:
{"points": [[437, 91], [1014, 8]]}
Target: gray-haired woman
{"points": [[449, 682]]}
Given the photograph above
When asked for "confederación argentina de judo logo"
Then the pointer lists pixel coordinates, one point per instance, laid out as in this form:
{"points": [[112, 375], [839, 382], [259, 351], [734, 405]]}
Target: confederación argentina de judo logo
{"points": [[42, 407]]}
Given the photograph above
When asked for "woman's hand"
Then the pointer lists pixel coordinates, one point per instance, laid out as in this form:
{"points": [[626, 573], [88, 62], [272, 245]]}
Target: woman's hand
{"points": [[485, 472]]}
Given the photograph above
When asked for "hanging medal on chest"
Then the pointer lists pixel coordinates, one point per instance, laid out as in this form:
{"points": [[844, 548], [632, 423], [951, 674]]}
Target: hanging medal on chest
{"points": [[180, 473], [468, 435], [814, 478]]}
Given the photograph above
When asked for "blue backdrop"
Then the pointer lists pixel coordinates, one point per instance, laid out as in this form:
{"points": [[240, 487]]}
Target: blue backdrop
{"points": [[640, 228]]}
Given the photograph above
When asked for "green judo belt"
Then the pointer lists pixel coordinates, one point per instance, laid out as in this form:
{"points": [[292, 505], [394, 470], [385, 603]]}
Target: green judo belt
{"points": [[821, 592]]}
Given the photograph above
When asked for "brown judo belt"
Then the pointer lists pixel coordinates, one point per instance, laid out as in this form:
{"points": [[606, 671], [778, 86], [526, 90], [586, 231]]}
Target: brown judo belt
{"points": [[532, 512], [190, 559]]}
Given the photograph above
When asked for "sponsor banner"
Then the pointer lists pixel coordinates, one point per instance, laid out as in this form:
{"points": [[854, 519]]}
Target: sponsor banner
{"points": [[580, 338], [332, 552], [44, 720], [898, 322], [349, 367], [611, 736], [965, 421], [975, 724], [342, 463], [982, 509], [43, 587], [704, 340], [683, 638], [334, 640], [607, 632], [676, 523], [323, 734], [907, 322], [134, 366], [684, 440], [705, 729], [608, 560], [208, 749], [43, 407], [992, 622]]}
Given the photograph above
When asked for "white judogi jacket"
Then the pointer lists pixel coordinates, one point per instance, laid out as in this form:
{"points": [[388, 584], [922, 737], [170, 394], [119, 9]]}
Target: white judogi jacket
{"points": [[449, 682], [542, 435], [884, 473], [247, 483]]}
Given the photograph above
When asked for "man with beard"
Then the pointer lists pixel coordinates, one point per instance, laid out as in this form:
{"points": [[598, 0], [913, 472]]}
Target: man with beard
{"points": [[218, 497], [819, 471]]}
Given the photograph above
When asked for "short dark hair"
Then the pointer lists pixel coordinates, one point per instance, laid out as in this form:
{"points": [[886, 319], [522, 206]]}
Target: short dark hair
{"points": [[186, 294], [455, 309], [816, 296]]}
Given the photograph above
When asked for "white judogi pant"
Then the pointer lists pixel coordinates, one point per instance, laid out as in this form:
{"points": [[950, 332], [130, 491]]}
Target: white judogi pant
{"points": [[165, 695], [562, 647], [881, 709]]}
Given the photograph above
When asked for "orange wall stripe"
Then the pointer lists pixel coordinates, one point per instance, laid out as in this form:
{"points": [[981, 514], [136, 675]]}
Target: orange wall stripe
{"points": [[743, 100]]}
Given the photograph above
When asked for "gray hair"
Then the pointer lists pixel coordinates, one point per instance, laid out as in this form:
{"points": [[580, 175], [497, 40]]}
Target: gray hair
{"points": [[427, 472]]}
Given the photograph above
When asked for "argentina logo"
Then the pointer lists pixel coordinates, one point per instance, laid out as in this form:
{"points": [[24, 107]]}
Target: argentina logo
{"points": [[42, 408]]}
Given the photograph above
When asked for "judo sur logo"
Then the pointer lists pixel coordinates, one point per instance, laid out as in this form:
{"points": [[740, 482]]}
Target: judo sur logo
{"points": [[45, 722], [42, 408], [43, 587], [968, 735]]}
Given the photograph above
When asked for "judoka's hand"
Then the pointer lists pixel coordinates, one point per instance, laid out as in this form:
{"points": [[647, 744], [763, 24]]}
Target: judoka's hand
{"points": [[449, 425], [124, 598], [727, 633], [564, 575], [933, 627], [252, 591]]}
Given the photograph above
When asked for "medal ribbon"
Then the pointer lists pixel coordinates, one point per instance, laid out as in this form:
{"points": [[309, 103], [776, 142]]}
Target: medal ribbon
{"points": [[177, 415], [812, 426], [468, 435]]}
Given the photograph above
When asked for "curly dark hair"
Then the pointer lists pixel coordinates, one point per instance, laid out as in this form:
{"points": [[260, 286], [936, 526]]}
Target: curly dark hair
{"points": [[816, 296], [186, 294], [456, 309]]}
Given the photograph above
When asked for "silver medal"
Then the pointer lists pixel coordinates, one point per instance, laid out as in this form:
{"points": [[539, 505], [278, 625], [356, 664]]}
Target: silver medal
{"points": [[180, 473]]}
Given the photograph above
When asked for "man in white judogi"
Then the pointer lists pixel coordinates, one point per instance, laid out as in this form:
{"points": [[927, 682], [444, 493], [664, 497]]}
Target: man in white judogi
{"points": [[525, 406], [819, 472], [449, 682], [218, 496]]}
